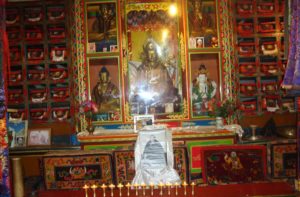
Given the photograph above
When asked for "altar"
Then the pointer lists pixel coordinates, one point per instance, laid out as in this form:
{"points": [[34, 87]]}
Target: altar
{"points": [[186, 143]]}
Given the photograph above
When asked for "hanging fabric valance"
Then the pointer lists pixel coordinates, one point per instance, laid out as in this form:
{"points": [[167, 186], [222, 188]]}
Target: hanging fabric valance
{"points": [[292, 75]]}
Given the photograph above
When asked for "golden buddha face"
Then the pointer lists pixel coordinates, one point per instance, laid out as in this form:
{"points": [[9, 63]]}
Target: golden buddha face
{"points": [[103, 77], [197, 5]]}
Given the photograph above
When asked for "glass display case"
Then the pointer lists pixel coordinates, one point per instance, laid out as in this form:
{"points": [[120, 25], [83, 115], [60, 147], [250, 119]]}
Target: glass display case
{"points": [[205, 83], [105, 89], [155, 71]]}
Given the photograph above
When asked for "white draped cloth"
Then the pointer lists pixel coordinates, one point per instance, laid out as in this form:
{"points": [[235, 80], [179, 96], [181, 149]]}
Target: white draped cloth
{"points": [[154, 158]]}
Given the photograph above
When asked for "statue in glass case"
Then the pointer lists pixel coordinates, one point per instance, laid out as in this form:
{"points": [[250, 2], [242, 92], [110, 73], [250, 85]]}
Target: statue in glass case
{"points": [[105, 93], [204, 89], [154, 87]]}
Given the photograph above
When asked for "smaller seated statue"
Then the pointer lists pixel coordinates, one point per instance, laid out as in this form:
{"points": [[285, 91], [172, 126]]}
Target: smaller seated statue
{"points": [[105, 93]]}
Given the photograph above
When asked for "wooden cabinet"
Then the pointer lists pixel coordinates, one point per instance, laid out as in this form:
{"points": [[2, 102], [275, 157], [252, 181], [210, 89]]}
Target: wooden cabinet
{"points": [[40, 72], [261, 50]]}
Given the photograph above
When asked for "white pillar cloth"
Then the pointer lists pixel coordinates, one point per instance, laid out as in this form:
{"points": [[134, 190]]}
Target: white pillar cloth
{"points": [[154, 158]]}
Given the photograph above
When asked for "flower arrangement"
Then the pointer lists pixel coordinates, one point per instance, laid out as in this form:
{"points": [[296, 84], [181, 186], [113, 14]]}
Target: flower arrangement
{"points": [[228, 110], [88, 108]]}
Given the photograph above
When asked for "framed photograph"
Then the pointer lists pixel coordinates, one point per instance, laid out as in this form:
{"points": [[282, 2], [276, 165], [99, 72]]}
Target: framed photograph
{"points": [[39, 137], [17, 133], [200, 42], [113, 48], [141, 121]]}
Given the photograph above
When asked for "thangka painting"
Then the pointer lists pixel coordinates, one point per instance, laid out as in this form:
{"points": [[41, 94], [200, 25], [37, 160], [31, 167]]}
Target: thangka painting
{"points": [[194, 149], [233, 164], [154, 69]]}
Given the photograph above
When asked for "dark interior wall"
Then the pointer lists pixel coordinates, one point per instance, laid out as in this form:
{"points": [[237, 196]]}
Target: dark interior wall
{"points": [[284, 119]]}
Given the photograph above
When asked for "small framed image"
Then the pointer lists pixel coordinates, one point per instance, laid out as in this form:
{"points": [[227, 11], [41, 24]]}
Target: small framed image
{"points": [[113, 48], [17, 133], [92, 47], [20, 141], [200, 42], [192, 42], [142, 120], [39, 137]]}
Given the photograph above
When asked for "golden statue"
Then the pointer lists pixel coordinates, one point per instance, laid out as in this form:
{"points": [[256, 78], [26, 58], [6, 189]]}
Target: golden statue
{"points": [[105, 93], [154, 86]]}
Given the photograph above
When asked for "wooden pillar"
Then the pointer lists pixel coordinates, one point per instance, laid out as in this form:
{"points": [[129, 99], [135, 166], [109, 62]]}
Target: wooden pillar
{"points": [[17, 180]]}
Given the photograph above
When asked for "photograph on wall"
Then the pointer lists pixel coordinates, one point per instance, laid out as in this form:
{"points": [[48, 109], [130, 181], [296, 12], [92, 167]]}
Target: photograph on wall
{"points": [[200, 42], [141, 121], [101, 26], [202, 22], [154, 74], [17, 133], [205, 80], [105, 91], [39, 137]]}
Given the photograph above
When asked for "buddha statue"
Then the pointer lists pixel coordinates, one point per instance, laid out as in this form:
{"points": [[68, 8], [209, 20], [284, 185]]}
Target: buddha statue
{"points": [[105, 93], [154, 86]]}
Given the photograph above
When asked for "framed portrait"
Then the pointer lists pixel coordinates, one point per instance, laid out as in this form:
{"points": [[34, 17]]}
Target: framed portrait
{"points": [[205, 75], [199, 42], [17, 133], [113, 48], [105, 89], [39, 137], [141, 121], [155, 72], [202, 22], [101, 26]]}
